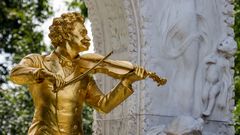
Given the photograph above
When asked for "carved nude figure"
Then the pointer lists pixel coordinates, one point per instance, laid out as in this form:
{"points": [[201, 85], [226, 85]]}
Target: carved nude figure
{"points": [[218, 76]]}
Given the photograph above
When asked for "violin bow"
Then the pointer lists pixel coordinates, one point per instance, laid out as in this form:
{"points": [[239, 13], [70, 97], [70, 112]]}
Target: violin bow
{"points": [[152, 75]]}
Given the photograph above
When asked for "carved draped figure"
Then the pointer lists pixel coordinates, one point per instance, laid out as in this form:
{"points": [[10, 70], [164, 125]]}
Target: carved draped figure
{"points": [[61, 114]]}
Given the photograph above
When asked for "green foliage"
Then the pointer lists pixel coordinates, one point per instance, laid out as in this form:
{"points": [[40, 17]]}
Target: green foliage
{"points": [[237, 118], [237, 67], [87, 120], [16, 110], [18, 22], [78, 4]]}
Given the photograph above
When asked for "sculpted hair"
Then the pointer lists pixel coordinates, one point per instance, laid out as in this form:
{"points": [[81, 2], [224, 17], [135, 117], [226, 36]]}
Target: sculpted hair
{"points": [[60, 30]]}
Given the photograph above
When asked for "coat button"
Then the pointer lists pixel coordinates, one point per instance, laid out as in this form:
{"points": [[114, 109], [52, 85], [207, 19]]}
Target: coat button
{"points": [[75, 126], [76, 110]]}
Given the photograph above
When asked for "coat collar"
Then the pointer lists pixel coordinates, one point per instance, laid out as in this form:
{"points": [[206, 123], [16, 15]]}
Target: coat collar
{"points": [[51, 63]]}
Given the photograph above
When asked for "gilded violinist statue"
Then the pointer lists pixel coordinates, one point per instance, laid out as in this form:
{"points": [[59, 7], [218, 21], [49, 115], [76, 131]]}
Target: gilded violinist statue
{"points": [[58, 103]]}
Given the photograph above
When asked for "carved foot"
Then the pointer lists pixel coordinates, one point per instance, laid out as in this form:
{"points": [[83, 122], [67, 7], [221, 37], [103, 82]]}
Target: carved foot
{"points": [[206, 113]]}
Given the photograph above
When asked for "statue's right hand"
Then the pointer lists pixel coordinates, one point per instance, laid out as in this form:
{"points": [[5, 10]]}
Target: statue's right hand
{"points": [[54, 78]]}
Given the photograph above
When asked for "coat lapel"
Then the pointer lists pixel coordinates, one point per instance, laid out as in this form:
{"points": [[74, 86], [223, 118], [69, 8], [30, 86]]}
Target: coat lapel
{"points": [[51, 63]]}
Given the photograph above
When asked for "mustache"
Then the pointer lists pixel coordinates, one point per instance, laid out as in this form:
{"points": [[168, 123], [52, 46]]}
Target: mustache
{"points": [[85, 41]]}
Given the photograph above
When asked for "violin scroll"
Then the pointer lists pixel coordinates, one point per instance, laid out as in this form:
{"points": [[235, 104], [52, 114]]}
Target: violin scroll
{"points": [[156, 78]]}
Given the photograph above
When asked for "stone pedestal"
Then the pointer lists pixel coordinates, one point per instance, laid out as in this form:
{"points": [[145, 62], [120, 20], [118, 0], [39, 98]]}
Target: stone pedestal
{"points": [[190, 42]]}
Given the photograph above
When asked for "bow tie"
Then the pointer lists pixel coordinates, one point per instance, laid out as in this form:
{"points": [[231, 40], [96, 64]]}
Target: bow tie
{"points": [[65, 62]]}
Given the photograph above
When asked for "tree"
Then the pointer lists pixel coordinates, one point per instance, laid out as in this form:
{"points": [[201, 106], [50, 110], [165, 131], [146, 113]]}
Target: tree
{"points": [[78, 4], [18, 35], [237, 67], [16, 111], [19, 20]]}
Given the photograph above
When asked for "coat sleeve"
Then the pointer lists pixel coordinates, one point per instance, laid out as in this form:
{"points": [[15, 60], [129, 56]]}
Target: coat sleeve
{"points": [[24, 72], [105, 103]]}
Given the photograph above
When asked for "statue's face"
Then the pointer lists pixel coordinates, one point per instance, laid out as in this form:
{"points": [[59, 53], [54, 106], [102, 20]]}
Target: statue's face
{"points": [[228, 46], [80, 40]]}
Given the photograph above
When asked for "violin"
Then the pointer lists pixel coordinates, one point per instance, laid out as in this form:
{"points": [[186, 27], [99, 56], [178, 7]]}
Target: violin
{"points": [[95, 63]]}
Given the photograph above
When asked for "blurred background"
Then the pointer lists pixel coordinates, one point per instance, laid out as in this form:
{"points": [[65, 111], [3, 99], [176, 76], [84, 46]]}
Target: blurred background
{"points": [[24, 29]]}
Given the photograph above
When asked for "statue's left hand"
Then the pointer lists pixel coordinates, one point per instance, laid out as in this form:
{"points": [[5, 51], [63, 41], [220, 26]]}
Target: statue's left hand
{"points": [[139, 73]]}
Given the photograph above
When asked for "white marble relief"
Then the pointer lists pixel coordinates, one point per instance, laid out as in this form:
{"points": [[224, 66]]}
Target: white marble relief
{"points": [[178, 39], [218, 76]]}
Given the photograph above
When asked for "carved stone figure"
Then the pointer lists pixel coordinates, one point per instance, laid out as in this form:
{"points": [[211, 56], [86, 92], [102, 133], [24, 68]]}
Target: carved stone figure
{"points": [[185, 125], [218, 76], [181, 125], [62, 81]]}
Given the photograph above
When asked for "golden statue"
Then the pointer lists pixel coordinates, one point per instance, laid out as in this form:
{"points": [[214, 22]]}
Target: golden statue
{"points": [[62, 81]]}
